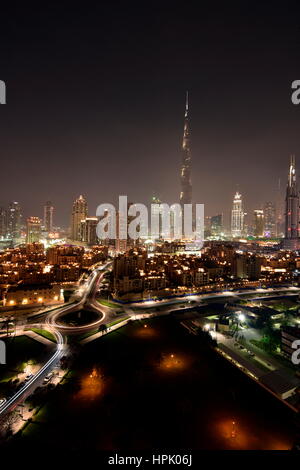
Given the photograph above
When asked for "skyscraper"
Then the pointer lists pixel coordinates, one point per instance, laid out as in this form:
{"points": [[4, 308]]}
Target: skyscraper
{"points": [[237, 216], [88, 230], [216, 225], [258, 223], [185, 175], [14, 217], [270, 219], [291, 240], [3, 222], [48, 216], [33, 233], [79, 213]]}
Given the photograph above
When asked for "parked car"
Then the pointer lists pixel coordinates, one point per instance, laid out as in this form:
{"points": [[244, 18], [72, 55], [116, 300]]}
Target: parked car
{"points": [[47, 378]]}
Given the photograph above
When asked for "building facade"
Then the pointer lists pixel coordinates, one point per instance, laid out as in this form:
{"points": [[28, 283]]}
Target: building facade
{"points": [[79, 213], [33, 230], [48, 216], [237, 216], [291, 240]]}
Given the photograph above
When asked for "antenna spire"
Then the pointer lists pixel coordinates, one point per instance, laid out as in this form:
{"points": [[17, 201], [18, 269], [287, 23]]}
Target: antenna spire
{"points": [[186, 103]]}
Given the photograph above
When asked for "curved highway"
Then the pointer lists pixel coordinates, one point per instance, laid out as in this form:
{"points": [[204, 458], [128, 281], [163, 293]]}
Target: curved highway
{"points": [[88, 298]]}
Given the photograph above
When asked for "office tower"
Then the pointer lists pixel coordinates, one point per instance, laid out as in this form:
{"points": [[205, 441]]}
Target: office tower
{"points": [[48, 216], [291, 240], [122, 223], [14, 218], [280, 228], [237, 216], [185, 175], [33, 233], [3, 222], [216, 225], [155, 214], [79, 213], [259, 223], [88, 230], [270, 220]]}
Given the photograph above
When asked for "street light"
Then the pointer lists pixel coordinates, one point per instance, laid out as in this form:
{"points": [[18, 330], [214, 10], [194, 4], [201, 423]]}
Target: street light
{"points": [[241, 317]]}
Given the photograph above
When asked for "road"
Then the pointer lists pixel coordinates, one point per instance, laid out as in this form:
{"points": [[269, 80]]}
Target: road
{"points": [[88, 292], [88, 300]]}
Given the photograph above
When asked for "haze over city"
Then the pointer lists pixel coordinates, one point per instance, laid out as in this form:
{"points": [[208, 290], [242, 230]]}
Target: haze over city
{"points": [[155, 334], [102, 109]]}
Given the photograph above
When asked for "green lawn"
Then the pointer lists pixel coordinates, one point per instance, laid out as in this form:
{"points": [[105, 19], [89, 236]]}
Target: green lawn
{"points": [[117, 321], [108, 303], [44, 333], [20, 350]]}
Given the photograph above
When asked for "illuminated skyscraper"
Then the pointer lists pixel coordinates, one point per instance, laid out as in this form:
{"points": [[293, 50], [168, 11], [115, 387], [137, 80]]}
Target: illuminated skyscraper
{"points": [[291, 240], [79, 213], [237, 216], [3, 222], [33, 233], [270, 220], [216, 225], [185, 175], [88, 230], [48, 216], [14, 218], [258, 223]]}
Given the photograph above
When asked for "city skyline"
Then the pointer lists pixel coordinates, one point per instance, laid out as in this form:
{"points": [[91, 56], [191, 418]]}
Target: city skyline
{"points": [[149, 230], [118, 125]]}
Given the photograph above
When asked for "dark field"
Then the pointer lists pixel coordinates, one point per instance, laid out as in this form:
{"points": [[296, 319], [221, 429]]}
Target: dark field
{"points": [[158, 387]]}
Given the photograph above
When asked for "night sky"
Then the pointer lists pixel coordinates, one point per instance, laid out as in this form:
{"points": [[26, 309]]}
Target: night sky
{"points": [[95, 101]]}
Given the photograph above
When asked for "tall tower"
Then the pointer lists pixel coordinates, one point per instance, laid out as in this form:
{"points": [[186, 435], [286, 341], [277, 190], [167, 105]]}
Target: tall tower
{"points": [[14, 220], [3, 222], [185, 175], [259, 223], [48, 216], [33, 233], [79, 213], [270, 219], [237, 216], [291, 240]]}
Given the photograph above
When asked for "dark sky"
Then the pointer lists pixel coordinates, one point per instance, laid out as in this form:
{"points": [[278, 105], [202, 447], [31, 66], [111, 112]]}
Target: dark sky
{"points": [[95, 101]]}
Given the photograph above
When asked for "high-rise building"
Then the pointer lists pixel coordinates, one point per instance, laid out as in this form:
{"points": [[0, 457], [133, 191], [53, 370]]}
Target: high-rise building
{"points": [[48, 216], [3, 222], [216, 225], [259, 220], [122, 225], [291, 240], [185, 175], [88, 230], [237, 216], [14, 218], [79, 213], [279, 211], [270, 219], [33, 233]]}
